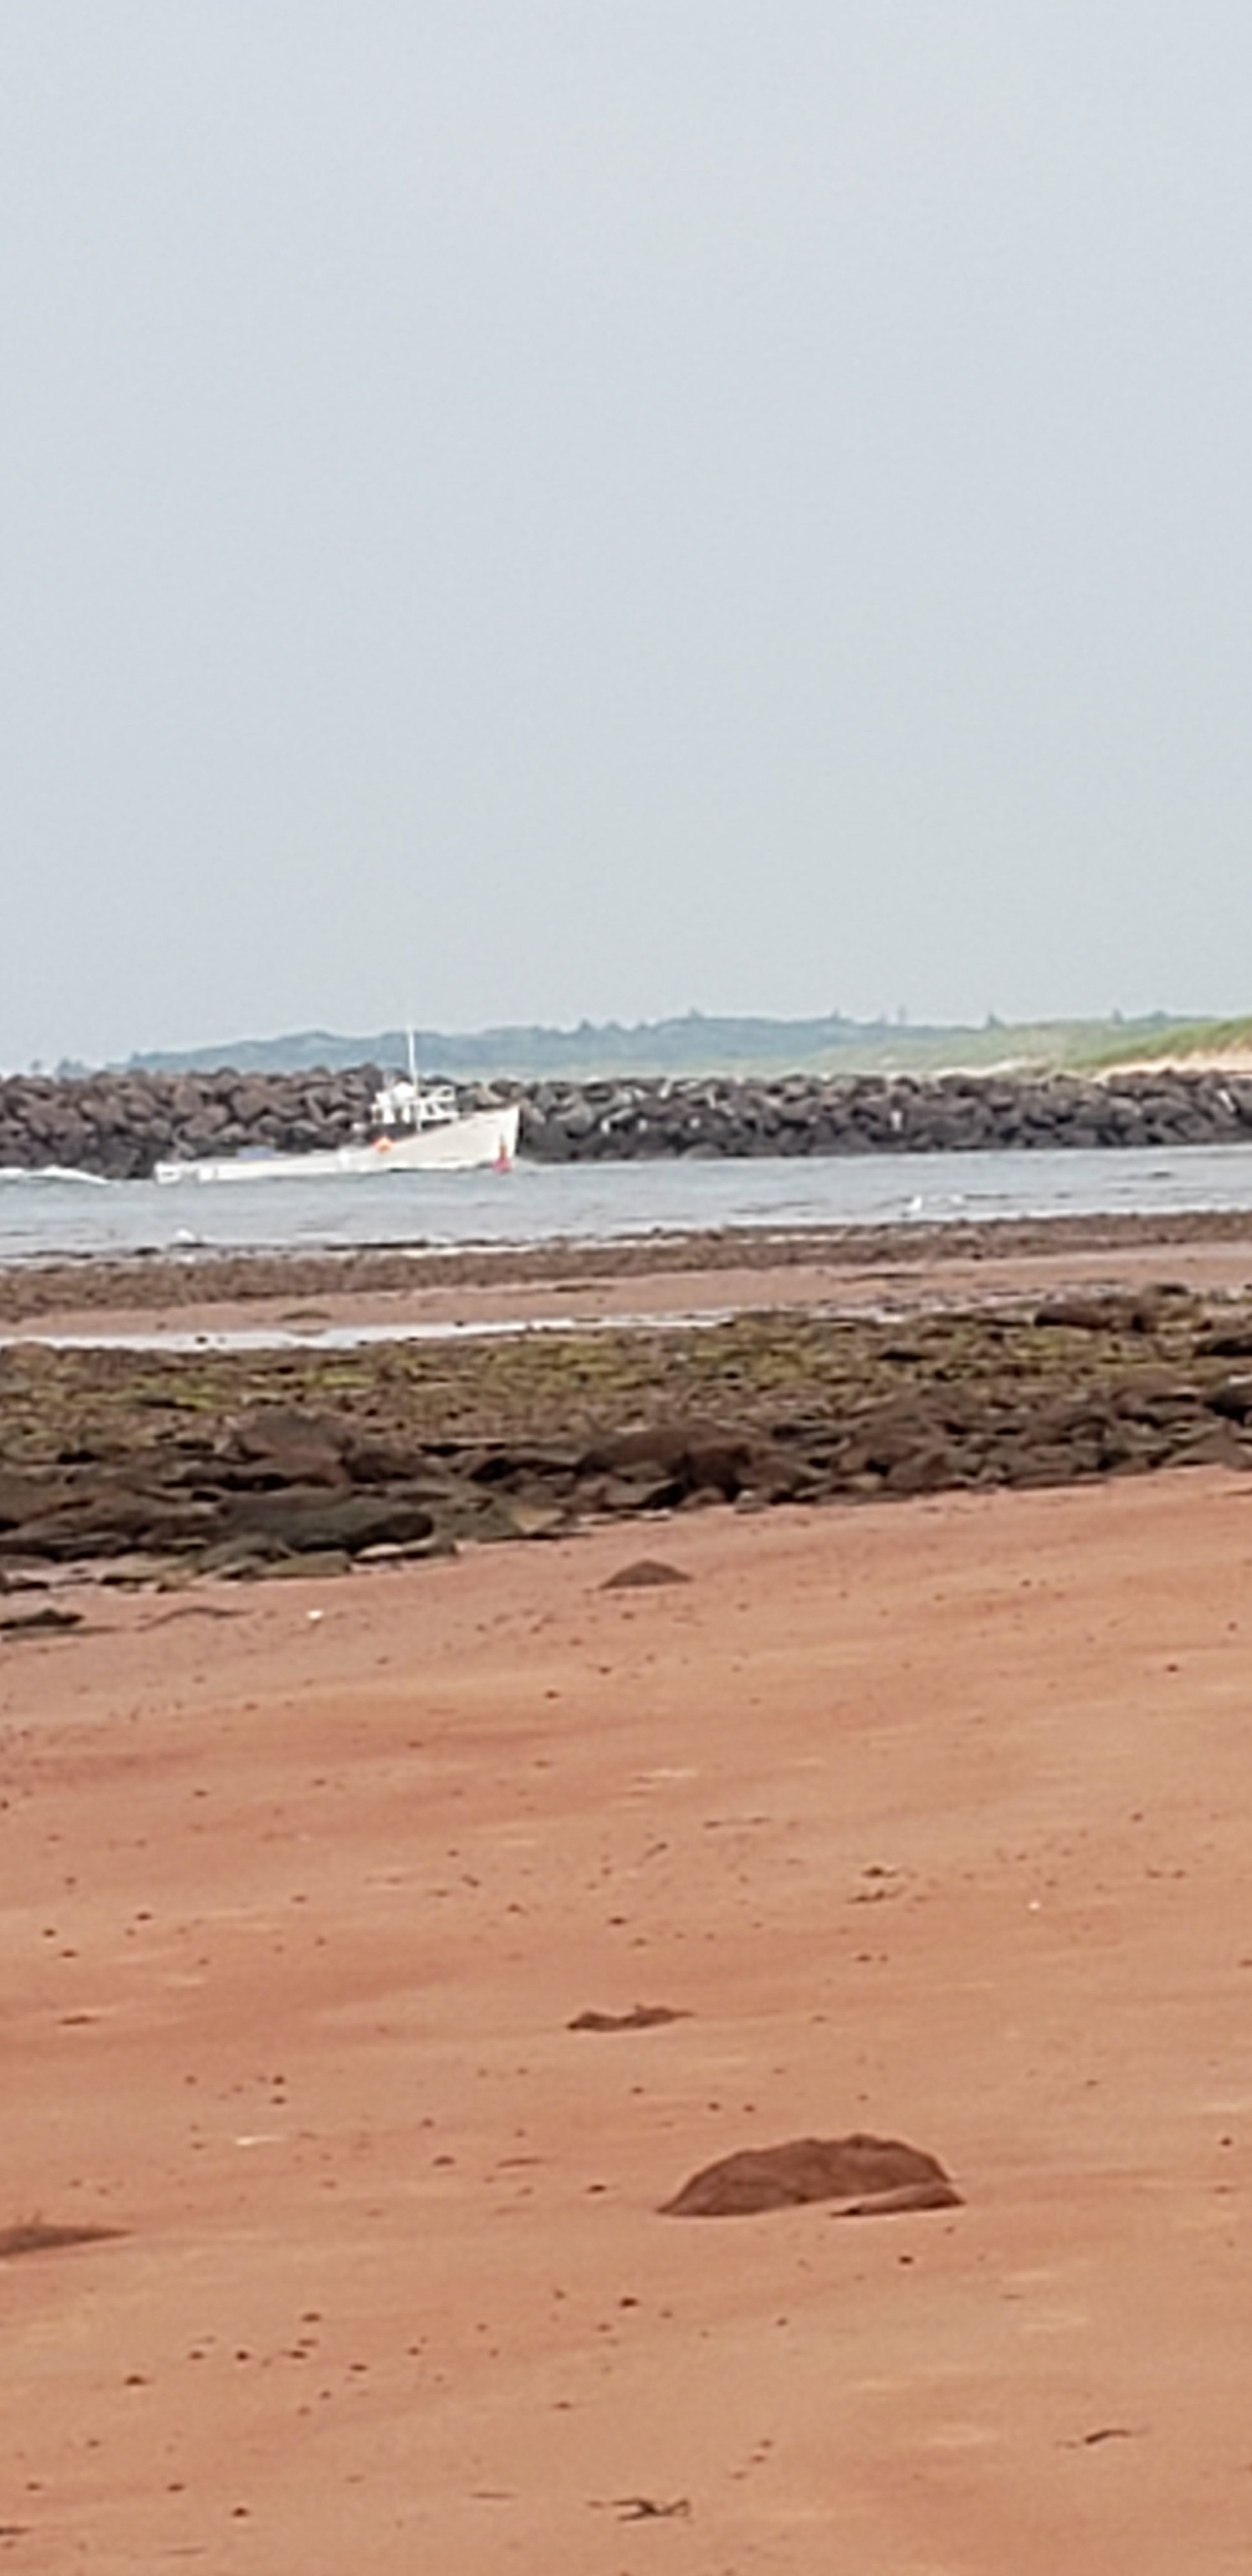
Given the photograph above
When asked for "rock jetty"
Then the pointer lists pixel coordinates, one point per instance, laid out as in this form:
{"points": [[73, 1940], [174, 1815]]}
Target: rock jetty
{"points": [[120, 1125], [879, 1114]]}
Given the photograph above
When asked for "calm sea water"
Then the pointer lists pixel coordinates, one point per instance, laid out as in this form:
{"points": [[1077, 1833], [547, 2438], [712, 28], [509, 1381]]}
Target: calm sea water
{"points": [[43, 1217]]}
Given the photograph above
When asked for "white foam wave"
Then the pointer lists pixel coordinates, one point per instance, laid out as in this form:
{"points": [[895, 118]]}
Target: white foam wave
{"points": [[54, 1172]]}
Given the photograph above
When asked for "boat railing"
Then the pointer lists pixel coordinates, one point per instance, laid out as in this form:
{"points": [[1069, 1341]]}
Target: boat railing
{"points": [[409, 1104]]}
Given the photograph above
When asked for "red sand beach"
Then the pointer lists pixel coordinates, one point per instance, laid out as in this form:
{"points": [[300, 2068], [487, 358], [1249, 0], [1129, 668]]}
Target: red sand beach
{"points": [[930, 1820]]}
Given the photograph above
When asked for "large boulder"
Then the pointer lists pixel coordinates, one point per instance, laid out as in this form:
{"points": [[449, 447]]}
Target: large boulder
{"points": [[304, 1518], [873, 2173]]}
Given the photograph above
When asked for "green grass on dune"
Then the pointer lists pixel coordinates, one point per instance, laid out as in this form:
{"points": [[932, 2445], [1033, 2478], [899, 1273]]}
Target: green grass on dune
{"points": [[1179, 1038]]}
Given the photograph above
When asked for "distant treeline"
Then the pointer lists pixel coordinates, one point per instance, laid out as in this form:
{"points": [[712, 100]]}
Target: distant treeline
{"points": [[695, 1044]]}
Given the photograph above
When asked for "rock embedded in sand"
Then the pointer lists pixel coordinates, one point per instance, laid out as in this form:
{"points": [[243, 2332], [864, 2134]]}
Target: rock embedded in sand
{"points": [[643, 1574], [50, 1619], [874, 2174], [42, 2236], [640, 2017]]}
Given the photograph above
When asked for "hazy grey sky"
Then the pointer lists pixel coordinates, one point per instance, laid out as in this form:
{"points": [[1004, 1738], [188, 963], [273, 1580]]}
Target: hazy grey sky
{"points": [[516, 509]]}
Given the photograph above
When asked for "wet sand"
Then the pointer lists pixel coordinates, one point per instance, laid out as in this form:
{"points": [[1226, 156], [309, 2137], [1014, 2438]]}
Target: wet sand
{"points": [[500, 1292], [934, 1820]]}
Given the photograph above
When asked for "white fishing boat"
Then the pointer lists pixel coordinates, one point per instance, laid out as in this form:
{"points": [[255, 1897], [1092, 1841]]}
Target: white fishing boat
{"points": [[414, 1127]]}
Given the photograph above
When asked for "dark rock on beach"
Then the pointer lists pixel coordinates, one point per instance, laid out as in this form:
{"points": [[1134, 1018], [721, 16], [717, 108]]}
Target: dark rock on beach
{"points": [[300, 1519], [640, 2017], [246, 1462], [644, 1574], [682, 1458], [874, 2174], [45, 2236]]}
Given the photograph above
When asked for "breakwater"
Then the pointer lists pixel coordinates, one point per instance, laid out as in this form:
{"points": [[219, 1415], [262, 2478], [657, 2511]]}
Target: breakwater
{"points": [[119, 1125]]}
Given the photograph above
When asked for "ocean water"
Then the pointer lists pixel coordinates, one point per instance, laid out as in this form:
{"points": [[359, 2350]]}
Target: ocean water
{"points": [[43, 1216]]}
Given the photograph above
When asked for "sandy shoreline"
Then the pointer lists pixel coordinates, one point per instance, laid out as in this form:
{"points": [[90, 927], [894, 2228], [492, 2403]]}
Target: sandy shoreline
{"points": [[934, 1820], [929, 1820], [842, 1270], [674, 1296]]}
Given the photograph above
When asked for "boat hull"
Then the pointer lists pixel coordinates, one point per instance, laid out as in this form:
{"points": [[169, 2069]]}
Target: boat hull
{"points": [[481, 1140]]}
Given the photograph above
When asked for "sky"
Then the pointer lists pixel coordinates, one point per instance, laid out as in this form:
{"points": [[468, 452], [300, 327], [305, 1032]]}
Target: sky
{"points": [[532, 510]]}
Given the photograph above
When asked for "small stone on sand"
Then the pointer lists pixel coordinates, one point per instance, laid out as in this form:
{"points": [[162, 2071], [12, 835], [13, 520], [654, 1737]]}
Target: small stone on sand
{"points": [[640, 2017], [642, 1574]]}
